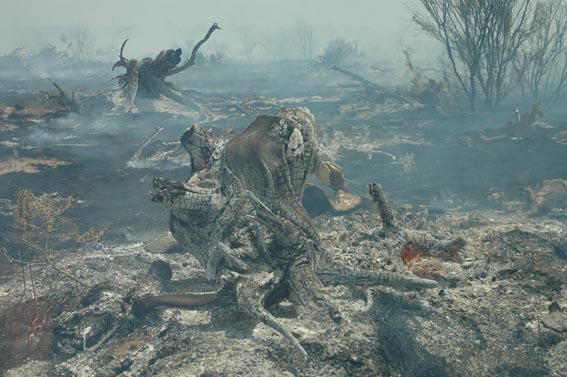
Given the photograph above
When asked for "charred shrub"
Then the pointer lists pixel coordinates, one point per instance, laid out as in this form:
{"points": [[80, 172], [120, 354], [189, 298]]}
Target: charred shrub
{"points": [[339, 52]]}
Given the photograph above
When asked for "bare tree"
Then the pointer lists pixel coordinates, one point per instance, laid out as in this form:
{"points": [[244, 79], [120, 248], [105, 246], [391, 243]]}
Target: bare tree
{"points": [[542, 60], [338, 52], [509, 26], [79, 44], [249, 44], [277, 44], [304, 38], [249, 48], [481, 39]]}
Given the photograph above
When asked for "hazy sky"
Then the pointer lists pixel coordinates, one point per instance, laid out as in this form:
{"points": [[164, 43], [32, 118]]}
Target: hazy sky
{"points": [[156, 24]]}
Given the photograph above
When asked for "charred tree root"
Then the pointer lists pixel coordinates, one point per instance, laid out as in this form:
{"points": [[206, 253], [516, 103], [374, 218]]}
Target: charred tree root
{"points": [[149, 74], [241, 217], [143, 306], [371, 278], [251, 298]]}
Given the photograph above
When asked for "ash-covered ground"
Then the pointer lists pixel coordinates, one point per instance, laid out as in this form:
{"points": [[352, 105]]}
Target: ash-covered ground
{"points": [[501, 305]]}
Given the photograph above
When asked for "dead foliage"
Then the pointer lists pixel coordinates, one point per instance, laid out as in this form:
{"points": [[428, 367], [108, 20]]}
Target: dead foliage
{"points": [[42, 235]]}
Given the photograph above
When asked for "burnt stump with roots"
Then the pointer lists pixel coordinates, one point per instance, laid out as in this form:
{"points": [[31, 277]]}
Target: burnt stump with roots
{"points": [[240, 215], [147, 76]]}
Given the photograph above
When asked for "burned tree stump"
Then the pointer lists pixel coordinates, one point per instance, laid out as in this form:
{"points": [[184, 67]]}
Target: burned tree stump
{"points": [[240, 215], [146, 77]]}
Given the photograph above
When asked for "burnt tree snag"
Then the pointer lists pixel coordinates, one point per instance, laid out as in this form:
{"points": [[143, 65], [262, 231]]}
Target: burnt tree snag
{"points": [[240, 215], [147, 76]]}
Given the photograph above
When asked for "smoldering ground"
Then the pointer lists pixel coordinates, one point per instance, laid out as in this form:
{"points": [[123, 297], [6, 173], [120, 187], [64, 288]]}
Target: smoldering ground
{"points": [[500, 308]]}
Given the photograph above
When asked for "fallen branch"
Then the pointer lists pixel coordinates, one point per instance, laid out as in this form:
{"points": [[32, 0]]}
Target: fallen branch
{"points": [[136, 155], [374, 90], [69, 103], [368, 85], [191, 61]]}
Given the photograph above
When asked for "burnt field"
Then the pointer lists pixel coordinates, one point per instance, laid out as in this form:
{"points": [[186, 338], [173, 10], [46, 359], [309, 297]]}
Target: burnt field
{"points": [[439, 160], [501, 304]]}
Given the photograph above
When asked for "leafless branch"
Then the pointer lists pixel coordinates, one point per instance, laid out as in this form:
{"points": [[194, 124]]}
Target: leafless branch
{"points": [[191, 61]]}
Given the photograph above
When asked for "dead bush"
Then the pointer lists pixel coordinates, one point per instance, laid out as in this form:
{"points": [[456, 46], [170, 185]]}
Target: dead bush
{"points": [[542, 60], [339, 52], [42, 235], [25, 333]]}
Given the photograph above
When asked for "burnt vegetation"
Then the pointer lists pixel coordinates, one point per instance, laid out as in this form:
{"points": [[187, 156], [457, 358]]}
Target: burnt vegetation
{"points": [[493, 47], [417, 228]]}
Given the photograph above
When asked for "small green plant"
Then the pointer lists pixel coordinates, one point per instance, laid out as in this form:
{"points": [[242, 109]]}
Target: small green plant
{"points": [[43, 235]]}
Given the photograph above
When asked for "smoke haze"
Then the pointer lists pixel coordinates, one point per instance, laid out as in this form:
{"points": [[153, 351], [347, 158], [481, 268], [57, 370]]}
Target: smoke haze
{"points": [[379, 26]]}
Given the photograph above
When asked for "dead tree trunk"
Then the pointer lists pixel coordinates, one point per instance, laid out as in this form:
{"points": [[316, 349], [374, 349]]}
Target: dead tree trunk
{"points": [[240, 216], [147, 76]]}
